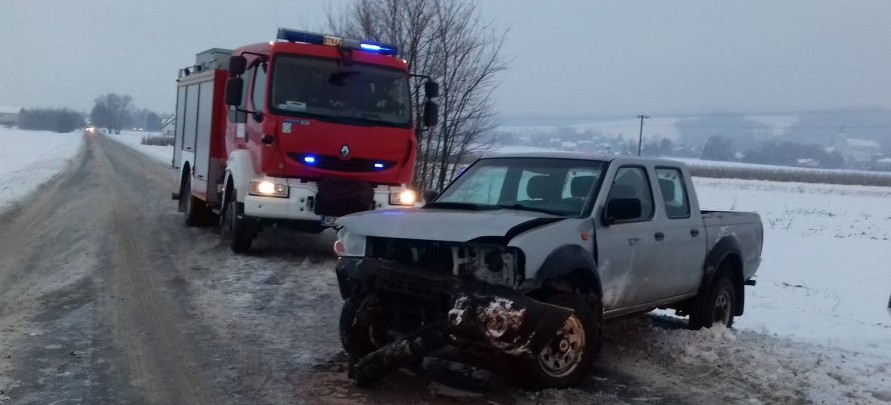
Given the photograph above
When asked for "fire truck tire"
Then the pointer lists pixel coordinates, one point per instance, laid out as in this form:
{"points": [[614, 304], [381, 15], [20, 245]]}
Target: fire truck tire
{"points": [[196, 210], [236, 230]]}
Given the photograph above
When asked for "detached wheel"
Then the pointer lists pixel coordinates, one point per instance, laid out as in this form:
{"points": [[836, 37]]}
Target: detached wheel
{"points": [[235, 229], [569, 356], [358, 334], [717, 307]]}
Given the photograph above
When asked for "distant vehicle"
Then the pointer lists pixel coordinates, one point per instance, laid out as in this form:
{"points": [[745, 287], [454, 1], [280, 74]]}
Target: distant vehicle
{"points": [[524, 256], [291, 134]]}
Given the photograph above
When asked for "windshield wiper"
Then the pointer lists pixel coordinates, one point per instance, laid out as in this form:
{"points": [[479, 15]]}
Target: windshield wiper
{"points": [[528, 208]]}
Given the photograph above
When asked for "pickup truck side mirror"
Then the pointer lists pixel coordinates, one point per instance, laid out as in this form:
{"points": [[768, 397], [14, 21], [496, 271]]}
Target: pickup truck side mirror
{"points": [[620, 209]]}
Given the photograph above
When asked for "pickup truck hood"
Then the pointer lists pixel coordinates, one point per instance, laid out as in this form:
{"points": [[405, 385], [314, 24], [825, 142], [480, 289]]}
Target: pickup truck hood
{"points": [[443, 224]]}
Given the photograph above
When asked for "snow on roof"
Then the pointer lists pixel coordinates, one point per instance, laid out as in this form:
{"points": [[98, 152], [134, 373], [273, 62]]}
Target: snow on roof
{"points": [[862, 142], [8, 109]]}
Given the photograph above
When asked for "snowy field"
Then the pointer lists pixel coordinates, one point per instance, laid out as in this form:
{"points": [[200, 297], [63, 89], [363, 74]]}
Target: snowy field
{"points": [[823, 286], [30, 158]]}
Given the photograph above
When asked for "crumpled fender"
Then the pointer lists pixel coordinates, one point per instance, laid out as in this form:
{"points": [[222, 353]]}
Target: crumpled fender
{"points": [[504, 320]]}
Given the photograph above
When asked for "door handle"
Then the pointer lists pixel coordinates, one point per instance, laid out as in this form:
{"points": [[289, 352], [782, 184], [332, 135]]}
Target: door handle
{"points": [[694, 232], [659, 236]]}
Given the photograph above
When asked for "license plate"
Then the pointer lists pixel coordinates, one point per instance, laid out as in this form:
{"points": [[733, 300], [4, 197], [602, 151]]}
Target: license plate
{"points": [[328, 221]]}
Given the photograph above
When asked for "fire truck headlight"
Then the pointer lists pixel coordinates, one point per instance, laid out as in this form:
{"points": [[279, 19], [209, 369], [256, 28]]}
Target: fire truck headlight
{"points": [[404, 197], [268, 189]]}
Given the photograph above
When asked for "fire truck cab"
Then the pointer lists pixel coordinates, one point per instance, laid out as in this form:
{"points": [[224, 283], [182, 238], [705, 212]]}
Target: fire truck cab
{"points": [[295, 132]]}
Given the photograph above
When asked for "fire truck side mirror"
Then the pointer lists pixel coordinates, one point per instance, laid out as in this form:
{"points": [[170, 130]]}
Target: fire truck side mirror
{"points": [[431, 114], [237, 65], [233, 90], [431, 89]]}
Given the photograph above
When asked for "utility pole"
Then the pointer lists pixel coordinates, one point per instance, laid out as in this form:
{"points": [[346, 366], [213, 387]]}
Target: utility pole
{"points": [[640, 135]]}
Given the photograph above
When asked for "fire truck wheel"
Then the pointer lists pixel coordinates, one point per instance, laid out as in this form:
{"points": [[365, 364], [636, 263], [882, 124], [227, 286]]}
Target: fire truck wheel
{"points": [[235, 229], [195, 209]]}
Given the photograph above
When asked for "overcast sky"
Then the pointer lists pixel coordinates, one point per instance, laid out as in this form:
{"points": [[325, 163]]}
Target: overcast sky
{"points": [[568, 58]]}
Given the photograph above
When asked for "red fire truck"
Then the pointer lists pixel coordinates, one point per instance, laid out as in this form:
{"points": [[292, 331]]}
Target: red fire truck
{"points": [[295, 132]]}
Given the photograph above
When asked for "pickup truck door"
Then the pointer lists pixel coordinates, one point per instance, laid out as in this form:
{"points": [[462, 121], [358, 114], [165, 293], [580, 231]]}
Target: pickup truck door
{"points": [[628, 261], [680, 236]]}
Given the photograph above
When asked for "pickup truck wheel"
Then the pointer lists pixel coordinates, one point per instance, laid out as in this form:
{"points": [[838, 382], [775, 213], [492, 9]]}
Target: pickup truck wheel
{"points": [[357, 334], [717, 307], [569, 356], [235, 229]]}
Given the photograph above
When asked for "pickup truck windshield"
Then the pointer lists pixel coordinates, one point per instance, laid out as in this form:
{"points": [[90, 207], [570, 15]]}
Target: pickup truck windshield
{"points": [[552, 186], [322, 88]]}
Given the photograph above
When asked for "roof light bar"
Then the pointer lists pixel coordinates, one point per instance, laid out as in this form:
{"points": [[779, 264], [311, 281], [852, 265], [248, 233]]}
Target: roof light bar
{"points": [[285, 34], [378, 48], [300, 36]]}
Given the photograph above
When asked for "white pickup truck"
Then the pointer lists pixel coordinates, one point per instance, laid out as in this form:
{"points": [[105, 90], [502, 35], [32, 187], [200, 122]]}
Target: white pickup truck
{"points": [[524, 256]]}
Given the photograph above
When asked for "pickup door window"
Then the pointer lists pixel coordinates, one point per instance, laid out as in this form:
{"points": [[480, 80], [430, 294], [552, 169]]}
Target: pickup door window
{"points": [[628, 259], [683, 244]]}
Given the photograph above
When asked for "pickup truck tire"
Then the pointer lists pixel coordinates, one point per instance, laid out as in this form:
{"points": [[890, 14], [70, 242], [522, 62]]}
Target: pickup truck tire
{"points": [[569, 356], [235, 230], [717, 306]]}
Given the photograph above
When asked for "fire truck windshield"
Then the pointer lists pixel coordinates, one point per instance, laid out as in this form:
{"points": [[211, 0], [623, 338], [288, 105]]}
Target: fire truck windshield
{"points": [[322, 88]]}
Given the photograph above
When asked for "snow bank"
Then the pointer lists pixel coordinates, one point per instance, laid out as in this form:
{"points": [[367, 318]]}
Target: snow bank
{"points": [[133, 139], [745, 366], [29, 158]]}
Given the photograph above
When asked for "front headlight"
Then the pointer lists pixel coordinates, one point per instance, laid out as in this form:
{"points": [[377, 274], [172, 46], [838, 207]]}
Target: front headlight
{"points": [[404, 197], [268, 189], [348, 244]]}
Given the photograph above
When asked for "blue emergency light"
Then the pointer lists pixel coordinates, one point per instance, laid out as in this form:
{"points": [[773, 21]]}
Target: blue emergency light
{"points": [[290, 35], [309, 159], [378, 165], [378, 48]]}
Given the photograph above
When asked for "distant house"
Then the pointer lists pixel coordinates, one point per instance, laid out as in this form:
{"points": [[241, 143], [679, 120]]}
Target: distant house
{"points": [[810, 163], [883, 164], [9, 115], [858, 153]]}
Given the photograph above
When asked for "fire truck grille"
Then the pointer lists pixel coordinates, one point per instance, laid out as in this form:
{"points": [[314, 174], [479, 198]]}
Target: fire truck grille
{"points": [[334, 163]]}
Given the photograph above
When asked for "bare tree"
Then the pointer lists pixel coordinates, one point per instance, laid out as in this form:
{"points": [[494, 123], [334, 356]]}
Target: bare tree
{"points": [[111, 111], [446, 40]]}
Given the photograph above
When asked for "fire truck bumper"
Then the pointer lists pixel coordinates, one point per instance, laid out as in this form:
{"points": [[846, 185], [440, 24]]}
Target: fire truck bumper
{"points": [[302, 203]]}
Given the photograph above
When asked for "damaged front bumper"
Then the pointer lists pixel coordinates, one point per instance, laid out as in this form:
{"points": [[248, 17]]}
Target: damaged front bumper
{"points": [[465, 311]]}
